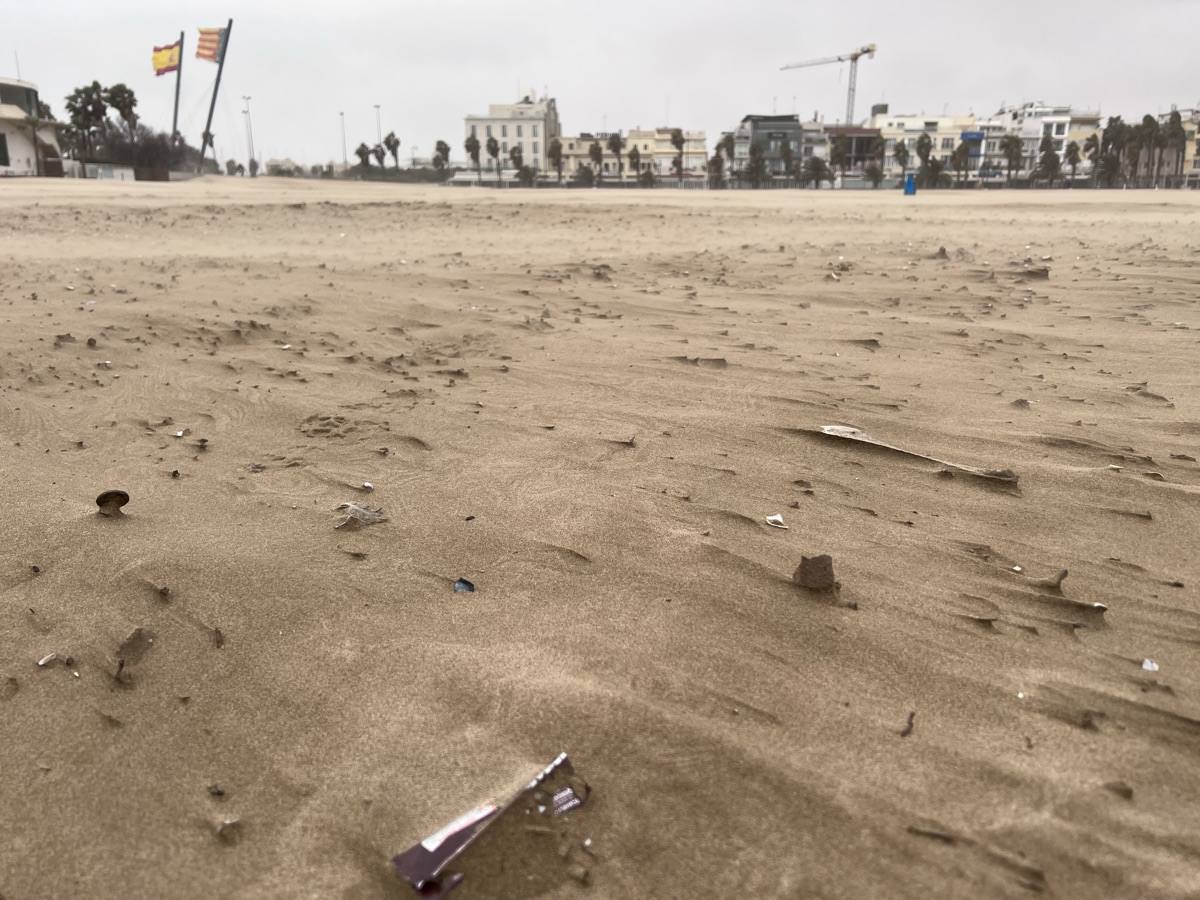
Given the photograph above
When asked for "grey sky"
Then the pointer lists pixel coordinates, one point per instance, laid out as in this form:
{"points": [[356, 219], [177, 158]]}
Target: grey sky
{"points": [[614, 64]]}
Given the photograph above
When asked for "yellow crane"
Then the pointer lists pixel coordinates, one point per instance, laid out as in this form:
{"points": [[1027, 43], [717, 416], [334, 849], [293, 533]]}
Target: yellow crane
{"points": [[852, 57]]}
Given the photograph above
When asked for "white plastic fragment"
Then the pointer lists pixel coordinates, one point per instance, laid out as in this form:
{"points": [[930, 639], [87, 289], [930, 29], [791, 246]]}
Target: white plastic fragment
{"points": [[776, 521], [1149, 665]]}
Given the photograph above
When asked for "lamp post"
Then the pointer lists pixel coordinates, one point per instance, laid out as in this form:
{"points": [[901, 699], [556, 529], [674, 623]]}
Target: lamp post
{"points": [[249, 126], [378, 127], [345, 158]]}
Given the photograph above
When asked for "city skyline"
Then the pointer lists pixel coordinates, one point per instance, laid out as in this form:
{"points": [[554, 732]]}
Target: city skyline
{"points": [[721, 67]]}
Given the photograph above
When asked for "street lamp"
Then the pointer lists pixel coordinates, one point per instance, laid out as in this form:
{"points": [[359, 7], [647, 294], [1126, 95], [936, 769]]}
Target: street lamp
{"points": [[249, 127], [345, 157], [378, 127]]}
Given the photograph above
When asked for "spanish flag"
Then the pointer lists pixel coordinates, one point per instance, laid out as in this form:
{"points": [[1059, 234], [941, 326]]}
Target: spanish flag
{"points": [[166, 59], [212, 44]]}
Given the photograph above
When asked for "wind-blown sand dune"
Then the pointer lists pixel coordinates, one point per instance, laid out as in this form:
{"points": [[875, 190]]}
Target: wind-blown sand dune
{"points": [[587, 404]]}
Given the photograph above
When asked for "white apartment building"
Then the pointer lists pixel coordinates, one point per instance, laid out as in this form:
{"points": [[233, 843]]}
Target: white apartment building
{"points": [[530, 123], [19, 121], [946, 133], [657, 153], [1033, 121]]}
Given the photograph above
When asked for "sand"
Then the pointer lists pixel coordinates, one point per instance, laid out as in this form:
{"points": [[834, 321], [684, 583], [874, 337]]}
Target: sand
{"points": [[587, 404]]}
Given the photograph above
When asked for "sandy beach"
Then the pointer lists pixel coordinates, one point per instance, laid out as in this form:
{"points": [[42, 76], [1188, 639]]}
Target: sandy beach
{"points": [[587, 404]]}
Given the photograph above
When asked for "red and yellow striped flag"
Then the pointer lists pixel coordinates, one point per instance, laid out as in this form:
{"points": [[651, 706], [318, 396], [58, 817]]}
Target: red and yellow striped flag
{"points": [[166, 59], [212, 44]]}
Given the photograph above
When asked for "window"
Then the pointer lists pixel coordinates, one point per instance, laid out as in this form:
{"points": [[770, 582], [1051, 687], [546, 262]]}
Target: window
{"points": [[571, 145], [504, 147], [472, 131], [535, 131], [931, 126], [1058, 145], [519, 131], [1060, 128], [947, 143], [4, 150], [503, 131], [489, 130], [535, 148]]}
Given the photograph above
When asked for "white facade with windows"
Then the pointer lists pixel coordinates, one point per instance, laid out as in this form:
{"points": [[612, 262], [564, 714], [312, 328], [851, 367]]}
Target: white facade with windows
{"points": [[529, 124], [19, 122], [945, 133]]}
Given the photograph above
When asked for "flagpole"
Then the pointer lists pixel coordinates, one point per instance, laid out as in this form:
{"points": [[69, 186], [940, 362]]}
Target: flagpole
{"points": [[216, 87], [178, 78]]}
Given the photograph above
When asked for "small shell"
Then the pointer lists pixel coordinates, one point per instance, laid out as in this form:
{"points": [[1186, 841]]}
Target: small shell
{"points": [[110, 502]]}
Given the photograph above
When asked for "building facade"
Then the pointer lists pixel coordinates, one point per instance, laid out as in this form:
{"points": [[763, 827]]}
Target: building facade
{"points": [[28, 143], [655, 150], [529, 123], [773, 134], [945, 134]]}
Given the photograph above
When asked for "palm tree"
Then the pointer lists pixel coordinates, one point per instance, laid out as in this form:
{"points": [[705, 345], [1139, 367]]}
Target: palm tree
{"points": [[1049, 166], [616, 145], [1073, 158], [757, 169], [363, 152], [253, 168], [1091, 150], [555, 154], [728, 145], [1131, 151], [788, 158], [517, 156], [839, 154], [1150, 133], [877, 151], [231, 167], [933, 172], [122, 99], [924, 149], [596, 154], [441, 150], [635, 161], [900, 154], [493, 150], [1013, 152], [86, 110], [379, 153], [961, 159], [392, 143], [716, 170], [1177, 140], [816, 171], [677, 141], [873, 173], [471, 145]]}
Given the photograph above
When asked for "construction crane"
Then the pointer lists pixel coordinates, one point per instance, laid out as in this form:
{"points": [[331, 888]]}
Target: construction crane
{"points": [[852, 57]]}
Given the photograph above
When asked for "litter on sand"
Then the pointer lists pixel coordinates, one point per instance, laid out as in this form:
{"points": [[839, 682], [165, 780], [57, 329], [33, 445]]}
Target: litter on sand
{"points": [[1149, 665], [462, 586], [776, 521], [850, 433], [358, 516], [110, 503], [428, 866]]}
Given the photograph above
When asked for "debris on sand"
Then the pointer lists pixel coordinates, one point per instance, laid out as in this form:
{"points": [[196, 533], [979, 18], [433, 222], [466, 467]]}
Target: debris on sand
{"points": [[908, 726], [776, 521], [110, 503], [462, 586], [941, 254], [358, 516], [431, 866], [815, 573], [850, 433], [704, 362], [1120, 788], [229, 831]]}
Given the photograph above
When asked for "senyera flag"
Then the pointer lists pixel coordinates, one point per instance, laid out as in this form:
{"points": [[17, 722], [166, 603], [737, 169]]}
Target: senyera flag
{"points": [[212, 44], [166, 59]]}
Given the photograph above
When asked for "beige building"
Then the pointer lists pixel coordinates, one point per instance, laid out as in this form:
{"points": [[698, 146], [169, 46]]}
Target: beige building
{"points": [[657, 153], [945, 132], [19, 122], [529, 123]]}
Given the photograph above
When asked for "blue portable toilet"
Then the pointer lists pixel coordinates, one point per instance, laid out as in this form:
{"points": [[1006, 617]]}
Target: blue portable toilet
{"points": [[910, 184]]}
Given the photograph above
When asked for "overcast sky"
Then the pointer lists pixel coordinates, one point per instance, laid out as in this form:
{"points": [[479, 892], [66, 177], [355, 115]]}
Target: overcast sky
{"points": [[615, 64]]}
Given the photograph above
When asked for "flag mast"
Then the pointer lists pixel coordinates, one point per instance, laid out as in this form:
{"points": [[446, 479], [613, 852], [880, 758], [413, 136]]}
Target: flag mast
{"points": [[178, 77], [207, 140]]}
